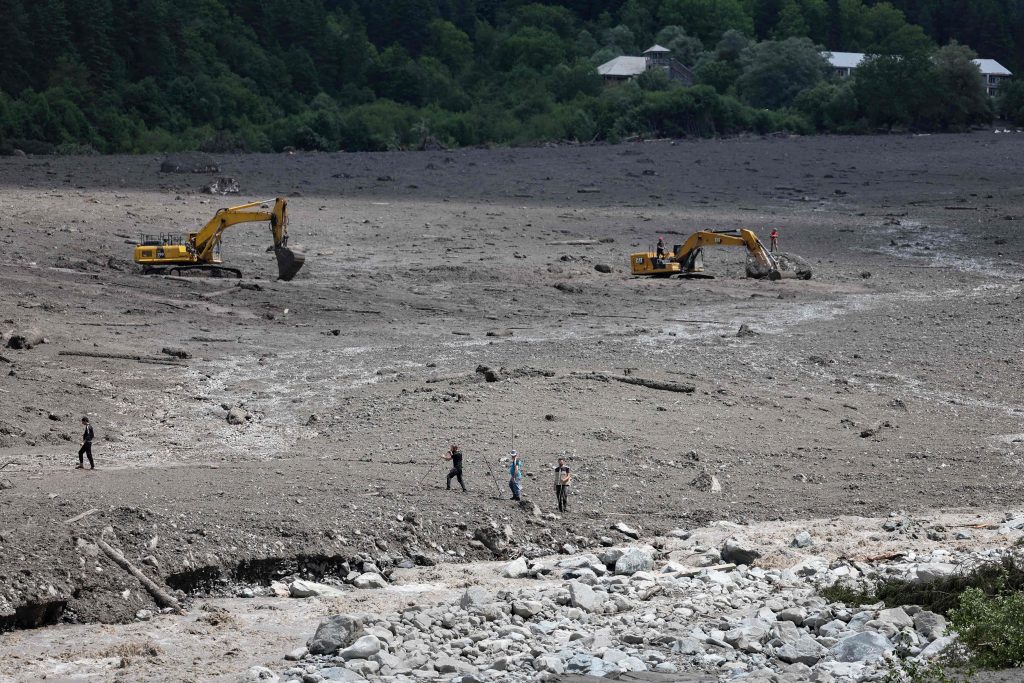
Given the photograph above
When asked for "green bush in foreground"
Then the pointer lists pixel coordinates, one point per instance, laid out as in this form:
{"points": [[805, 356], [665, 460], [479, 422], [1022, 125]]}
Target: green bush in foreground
{"points": [[991, 628]]}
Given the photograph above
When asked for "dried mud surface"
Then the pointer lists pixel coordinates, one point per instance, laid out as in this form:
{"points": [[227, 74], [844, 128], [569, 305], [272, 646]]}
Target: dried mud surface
{"points": [[891, 380]]}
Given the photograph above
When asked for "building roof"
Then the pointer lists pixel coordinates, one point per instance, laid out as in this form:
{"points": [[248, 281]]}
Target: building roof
{"points": [[623, 67], [991, 67], [656, 49], [844, 60], [851, 60]]}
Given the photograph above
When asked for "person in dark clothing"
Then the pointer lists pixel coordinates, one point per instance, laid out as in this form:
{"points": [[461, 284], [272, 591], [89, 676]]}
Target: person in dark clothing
{"points": [[455, 455], [660, 249], [515, 476], [86, 449], [563, 477]]}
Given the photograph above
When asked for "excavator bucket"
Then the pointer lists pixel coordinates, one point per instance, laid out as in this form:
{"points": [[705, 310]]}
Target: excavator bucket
{"points": [[289, 262]]}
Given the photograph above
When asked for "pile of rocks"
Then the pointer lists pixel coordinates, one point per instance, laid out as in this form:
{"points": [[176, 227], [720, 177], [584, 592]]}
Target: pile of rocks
{"points": [[628, 609]]}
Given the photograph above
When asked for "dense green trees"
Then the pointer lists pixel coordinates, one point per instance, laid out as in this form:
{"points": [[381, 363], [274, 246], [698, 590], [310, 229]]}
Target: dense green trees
{"points": [[145, 75]]}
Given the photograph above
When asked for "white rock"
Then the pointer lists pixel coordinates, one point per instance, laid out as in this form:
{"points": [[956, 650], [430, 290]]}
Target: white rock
{"points": [[370, 580], [632, 561], [863, 647], [516, 569], [310, 589], [364, 648]]}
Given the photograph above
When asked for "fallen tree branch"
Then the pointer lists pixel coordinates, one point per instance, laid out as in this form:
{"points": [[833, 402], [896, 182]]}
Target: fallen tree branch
{"points": [[121, 356], [656, 384], [81, 516], [162, 597]]}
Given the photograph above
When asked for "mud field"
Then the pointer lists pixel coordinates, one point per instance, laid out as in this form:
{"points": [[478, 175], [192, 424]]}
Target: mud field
{"points": [[892, 380]]}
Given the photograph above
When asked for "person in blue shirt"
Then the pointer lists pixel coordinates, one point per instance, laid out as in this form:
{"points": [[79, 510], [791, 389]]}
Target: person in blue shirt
{"points": [[515, 476]]}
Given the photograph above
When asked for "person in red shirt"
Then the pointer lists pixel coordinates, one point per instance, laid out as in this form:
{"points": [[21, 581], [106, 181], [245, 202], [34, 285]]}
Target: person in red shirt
{"points": [[775, 239]]}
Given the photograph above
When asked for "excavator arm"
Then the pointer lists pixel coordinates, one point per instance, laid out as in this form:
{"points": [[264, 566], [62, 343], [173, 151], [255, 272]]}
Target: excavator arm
{"points": [[687, 252]]}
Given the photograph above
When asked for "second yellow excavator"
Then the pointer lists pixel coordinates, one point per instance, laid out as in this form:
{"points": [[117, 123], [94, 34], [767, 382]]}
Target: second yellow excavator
{"points": [[688, 258], [200, 251]]}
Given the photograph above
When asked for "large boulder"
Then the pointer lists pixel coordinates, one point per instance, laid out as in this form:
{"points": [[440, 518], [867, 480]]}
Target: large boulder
{"points": [[583, 597], [738, 553], [516, 569], [632, 561], [370, 580], [930, 625], [333, 634], [868, 646], [805, 650], [310, 589]]}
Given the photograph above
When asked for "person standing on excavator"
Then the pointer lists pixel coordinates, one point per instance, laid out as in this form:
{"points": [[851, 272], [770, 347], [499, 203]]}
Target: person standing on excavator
{"points": [[660, 249], [775, 240], [455, 455]]}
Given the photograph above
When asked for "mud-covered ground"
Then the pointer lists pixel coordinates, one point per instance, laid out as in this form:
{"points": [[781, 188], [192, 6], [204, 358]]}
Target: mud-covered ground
{"points": [[891, 380]]}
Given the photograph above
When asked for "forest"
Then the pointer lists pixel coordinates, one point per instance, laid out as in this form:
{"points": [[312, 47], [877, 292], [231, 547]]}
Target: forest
{"points": [[139, 76]]}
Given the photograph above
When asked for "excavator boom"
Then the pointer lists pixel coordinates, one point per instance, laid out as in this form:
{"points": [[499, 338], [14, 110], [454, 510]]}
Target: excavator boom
{"points": [[686, 259], [202, 249]]}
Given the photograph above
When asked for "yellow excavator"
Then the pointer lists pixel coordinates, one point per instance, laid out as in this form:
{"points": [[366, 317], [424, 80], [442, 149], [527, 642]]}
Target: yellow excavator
{"points": [[201, 251], [687, 259]]}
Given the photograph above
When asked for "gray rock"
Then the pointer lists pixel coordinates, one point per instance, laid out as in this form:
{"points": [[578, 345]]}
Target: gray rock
{"points": [[516, 569], [863, 647], [930, 571], [297, 654], [806, 650], [793, 614], [937, 646], [583, 597], [237, 416], [527, 609], [930, 625], [632, 561], [737, 553], [259, 674], [626, 530], [370, 580], [337, 673], [802, 540], [333, 634], [687, 646], [450, 665], [707, 482], [603, 268], [549, 664], [310, 589], [895, 616], [475, 596], [364, 648]]}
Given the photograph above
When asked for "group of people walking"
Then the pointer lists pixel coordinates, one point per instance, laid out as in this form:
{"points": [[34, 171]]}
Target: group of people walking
{"points": [[563, 476]]}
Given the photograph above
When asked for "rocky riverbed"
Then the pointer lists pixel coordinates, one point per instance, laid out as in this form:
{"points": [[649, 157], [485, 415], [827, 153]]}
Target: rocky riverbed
{"points": [[722, 602]]}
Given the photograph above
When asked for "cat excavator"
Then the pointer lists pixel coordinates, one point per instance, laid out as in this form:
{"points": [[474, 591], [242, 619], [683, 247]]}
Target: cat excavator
{"points": [[201, 251], [687, 259]]}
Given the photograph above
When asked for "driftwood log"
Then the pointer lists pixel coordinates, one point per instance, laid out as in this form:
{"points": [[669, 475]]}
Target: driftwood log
{"points": [[162, 597], [657, 384], [121, 356]]}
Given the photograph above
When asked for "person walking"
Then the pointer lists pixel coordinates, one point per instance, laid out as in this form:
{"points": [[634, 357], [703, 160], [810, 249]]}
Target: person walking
{"points": [[86, 449], [515, 476], [775, 240], [563, 477], [455, 455]]}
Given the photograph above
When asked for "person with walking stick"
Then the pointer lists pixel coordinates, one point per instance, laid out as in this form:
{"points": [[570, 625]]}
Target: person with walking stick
{"points": [[455, 455], [515, 476]]}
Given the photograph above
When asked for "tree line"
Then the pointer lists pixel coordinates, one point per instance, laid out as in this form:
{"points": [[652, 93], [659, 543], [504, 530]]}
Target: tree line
{"points": [[263, 75]]}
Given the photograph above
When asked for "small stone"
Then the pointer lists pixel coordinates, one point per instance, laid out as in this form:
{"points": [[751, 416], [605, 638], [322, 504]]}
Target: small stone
{"points": [[603, 268], [583, 596], [237, 416], [297, 654], [632, 561], [806, 650]]}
